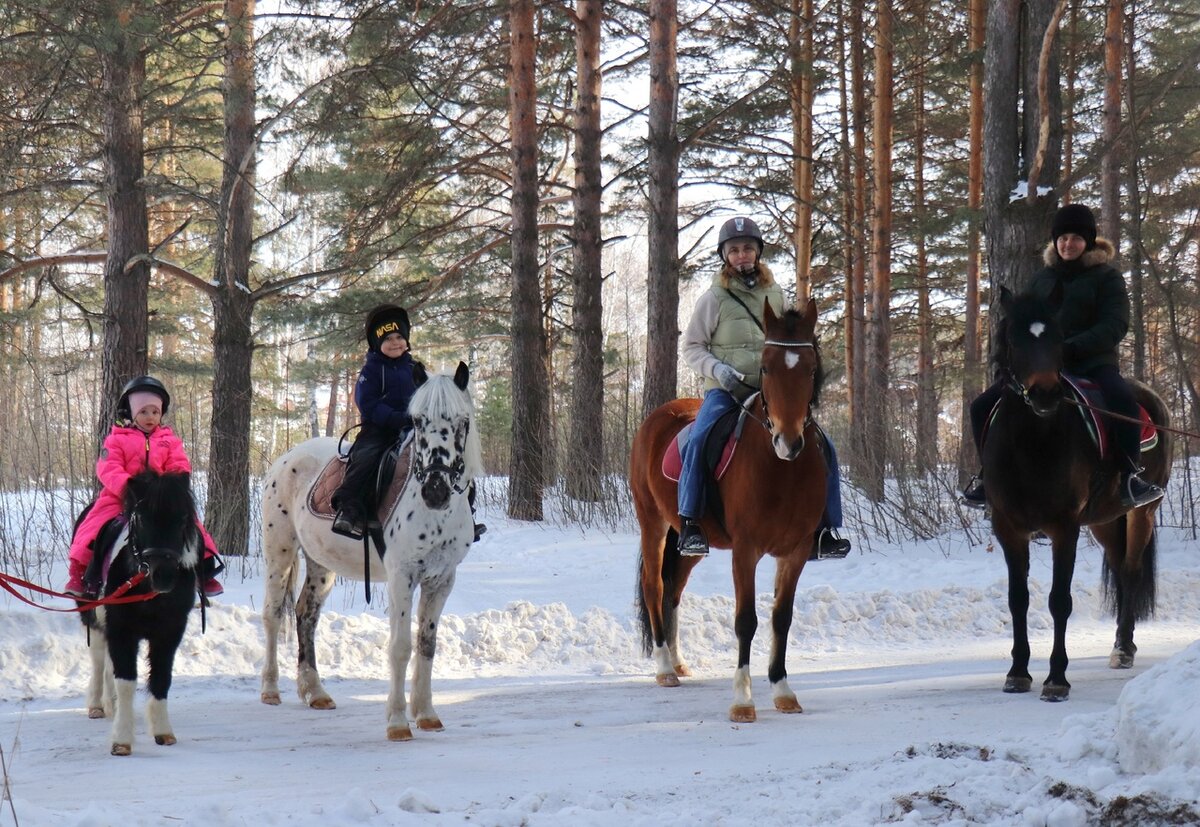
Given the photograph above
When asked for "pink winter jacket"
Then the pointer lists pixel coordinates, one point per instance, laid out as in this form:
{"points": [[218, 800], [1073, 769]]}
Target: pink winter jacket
{"points": [[128, 451]]}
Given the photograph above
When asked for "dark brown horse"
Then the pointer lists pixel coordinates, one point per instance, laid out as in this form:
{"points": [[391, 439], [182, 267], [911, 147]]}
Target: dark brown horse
{"points": [[1043, 473], [773, 495]]}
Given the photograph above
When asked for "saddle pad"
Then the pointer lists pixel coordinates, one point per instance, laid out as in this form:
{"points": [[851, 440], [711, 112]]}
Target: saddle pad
{"points": [[672, 464], [1087, 391], [320, 495]]}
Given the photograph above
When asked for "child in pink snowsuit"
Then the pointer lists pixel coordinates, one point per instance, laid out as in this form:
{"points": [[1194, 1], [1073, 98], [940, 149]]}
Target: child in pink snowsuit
{"points": [[136, 442]]}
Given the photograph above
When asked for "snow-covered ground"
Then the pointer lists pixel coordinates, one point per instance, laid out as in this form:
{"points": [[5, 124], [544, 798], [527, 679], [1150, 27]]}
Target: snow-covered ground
{"points": [[552, 716]]}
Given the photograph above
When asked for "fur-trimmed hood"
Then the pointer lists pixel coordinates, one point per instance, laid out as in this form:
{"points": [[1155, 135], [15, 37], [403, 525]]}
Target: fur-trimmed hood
{"points": [[1102, 253], [728, 275]]}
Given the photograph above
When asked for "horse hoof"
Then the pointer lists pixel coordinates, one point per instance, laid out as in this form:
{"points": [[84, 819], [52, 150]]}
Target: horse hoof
{"points": [[682, 670], [788, 705], [165, 740], [271, 698], [322, 703], [742, 714], [430, 725], [122, 749], [399, 733], [1018, 684], [669, 679], [95, 712], [1054, 693], [1120, 660]]}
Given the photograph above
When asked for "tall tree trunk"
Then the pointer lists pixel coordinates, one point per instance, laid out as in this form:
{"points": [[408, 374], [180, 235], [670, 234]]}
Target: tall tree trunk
{"points": [[800, 98], [527, 464], [973, 377], [878, 371], [927, 402], [1110, 163], [585, 447], [856, 343], [1017, 228], [849, 251], [662, 279], [228, 511], [126, 288], [1134, 200]]}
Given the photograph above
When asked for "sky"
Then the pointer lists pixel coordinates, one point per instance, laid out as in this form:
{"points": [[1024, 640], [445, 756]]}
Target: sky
{"points": [[552, 716]]}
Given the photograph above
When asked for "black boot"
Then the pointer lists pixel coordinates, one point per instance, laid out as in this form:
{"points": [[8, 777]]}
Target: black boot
{"points": [[974, 495], [828, 545], [350, 521], [1135, 491], [692, 542]]}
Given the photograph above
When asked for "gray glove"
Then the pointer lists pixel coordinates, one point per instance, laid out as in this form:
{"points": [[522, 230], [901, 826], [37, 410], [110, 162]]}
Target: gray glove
{"points": [[729, 378]]}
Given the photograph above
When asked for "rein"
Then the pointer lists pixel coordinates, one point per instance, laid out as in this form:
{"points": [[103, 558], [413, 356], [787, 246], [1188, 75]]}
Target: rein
{"points": [[8, 581], [1123, 418]]}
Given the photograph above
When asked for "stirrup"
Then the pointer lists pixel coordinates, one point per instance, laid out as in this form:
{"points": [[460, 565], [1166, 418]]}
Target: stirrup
{"points": [[974, 495], [346, 526], [829, 546], [1147, 493], [692, 542]]}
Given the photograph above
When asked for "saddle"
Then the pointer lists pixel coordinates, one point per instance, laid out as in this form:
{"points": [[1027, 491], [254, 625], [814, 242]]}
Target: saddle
{"points": [[718, 450], [112, 536], [1088, 392], [394, 471]]}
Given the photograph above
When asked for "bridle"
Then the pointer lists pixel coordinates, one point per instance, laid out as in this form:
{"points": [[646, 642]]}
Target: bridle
{"points": [[454, 472], [766, 420]]}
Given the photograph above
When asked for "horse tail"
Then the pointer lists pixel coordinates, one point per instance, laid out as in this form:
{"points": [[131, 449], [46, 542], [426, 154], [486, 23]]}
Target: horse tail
{"points": [[670, 573], [1141, 591]]}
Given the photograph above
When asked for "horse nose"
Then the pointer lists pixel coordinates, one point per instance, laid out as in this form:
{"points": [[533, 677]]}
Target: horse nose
{"points": [[786, 450], [436, 492]]}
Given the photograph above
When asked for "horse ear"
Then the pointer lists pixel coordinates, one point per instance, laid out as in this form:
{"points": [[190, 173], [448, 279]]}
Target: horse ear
{"points": [[420, 377], [810, 313], [462, 375], [769, 316]]}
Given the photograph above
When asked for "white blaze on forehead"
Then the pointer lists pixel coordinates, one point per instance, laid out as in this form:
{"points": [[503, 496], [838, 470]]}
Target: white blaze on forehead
{"points": [[791, 359], [1037, 329]]}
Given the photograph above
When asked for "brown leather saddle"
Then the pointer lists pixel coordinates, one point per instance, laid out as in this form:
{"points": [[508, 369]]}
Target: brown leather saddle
{"points": [[394, 472]]}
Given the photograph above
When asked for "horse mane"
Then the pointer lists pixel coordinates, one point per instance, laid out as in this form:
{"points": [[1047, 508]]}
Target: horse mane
{"points": [[790, 323], [163, 495], [440, 398]]}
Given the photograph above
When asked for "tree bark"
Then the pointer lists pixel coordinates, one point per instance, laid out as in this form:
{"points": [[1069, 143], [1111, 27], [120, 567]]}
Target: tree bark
{"points": [[1110, 164], [526, 474], [1017, 227], [228, 510], [585, 448], [800, 35], [126, 289], [927, 401], [662, 279], [1134, 197], [856, 340], [878, 371], [973, 378]]}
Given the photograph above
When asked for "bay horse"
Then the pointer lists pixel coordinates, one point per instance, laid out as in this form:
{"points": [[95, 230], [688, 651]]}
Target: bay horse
{"points": [[1043, 472], [427, 536], [161, 541], [773, 495]]}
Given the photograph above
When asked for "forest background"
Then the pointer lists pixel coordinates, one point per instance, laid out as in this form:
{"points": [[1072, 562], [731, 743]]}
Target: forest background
{"points": [[216, 193]]}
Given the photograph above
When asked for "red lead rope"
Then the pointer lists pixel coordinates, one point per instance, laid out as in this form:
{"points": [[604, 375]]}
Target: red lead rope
{"points": [[7, 582]]}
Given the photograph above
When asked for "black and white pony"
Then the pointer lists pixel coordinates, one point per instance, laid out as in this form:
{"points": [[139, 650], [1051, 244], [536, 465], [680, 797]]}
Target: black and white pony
{"points": [[427, 536], [160, 541]]}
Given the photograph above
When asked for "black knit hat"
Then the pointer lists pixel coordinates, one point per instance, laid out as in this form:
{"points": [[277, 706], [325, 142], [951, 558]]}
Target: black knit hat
{"points": [[385, 319], [1075, 218]]}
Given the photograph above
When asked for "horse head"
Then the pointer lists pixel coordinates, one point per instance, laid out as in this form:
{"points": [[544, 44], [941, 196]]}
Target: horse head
{"points": [[1032, 351], [791, 376], [446, 452], [163, 537]]}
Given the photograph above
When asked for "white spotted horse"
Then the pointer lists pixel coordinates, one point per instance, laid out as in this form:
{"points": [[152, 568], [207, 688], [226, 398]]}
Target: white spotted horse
{"points": [[1044, 472], [157, 552], [427, 534]]}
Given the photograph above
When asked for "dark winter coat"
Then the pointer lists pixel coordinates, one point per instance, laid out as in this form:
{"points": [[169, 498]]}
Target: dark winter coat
{"points": [[385, 387], [1094, 305]]}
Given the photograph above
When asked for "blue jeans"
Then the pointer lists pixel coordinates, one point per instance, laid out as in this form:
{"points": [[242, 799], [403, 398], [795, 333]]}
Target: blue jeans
{"points": [[717, 402]]}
